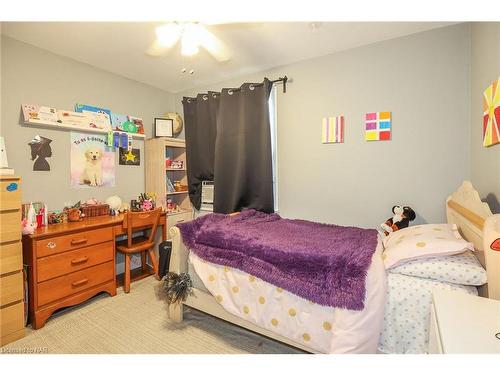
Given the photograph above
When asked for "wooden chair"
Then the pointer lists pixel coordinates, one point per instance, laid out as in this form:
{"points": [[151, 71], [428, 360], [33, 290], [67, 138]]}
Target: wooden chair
{"points": [[134, 221]]}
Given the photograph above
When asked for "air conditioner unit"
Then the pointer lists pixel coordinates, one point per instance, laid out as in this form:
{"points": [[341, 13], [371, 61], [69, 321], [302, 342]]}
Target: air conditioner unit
{"points": [[207, 196]]}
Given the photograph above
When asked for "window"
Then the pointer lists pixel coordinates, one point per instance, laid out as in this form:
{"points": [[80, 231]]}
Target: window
{"points": [[273, 120]]}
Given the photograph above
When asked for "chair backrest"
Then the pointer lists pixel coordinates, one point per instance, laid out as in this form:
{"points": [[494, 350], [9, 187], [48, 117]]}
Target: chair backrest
{"points": [[141, 220]]}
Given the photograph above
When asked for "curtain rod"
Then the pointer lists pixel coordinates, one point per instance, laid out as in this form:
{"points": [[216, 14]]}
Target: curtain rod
{"points": [[280, 79], [283, 80]]}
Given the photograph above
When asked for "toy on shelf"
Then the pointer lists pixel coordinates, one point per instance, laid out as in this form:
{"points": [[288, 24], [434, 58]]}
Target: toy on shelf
{"points": [[172, 207], [401, 219], [176, 164]]}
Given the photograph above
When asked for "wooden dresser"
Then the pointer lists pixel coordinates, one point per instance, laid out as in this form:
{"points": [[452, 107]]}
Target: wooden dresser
{"points": [[68, 264], [11, 261]]}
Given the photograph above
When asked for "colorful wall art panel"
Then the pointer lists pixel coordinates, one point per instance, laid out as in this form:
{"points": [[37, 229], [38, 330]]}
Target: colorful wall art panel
{"points": [[378, 126], [491, 114], [92, 162], [333, 130]]}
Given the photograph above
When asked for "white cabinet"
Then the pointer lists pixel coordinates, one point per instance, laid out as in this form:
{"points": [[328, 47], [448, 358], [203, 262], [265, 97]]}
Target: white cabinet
{"points": [[462, 323]]}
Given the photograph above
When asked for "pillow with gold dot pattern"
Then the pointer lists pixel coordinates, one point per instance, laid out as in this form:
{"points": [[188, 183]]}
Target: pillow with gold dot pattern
{"points": [[423, 241], [462, 269]]}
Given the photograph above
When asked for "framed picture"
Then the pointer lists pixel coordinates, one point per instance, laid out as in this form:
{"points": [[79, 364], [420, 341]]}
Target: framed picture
{"points": [[164, 127]]}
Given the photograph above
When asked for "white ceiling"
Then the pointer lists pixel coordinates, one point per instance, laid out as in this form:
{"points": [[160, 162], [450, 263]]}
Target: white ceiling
{"points": [[120, 47]]}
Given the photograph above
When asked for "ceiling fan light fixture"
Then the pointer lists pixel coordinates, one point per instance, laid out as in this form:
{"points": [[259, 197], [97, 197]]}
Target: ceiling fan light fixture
{"points": [[189, 41], [168, 34]]}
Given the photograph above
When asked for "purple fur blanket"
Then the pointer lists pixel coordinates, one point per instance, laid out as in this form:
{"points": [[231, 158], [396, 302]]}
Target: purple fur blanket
{"points": [[323, 263]]}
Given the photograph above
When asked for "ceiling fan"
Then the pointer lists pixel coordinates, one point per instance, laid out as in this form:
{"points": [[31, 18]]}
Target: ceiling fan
{"points": [[192, 36]]}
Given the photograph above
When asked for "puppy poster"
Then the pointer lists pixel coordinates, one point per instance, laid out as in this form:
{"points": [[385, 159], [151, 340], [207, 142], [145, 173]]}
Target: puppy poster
{"points": [[92, 162]]}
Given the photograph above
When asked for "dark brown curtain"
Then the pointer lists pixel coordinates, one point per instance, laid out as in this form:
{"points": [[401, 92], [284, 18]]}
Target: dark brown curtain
{"points": [[243, 174], [200, 118]]}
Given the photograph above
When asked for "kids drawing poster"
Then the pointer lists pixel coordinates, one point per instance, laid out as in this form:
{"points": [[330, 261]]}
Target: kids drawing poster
{"points": [[92, 162]]}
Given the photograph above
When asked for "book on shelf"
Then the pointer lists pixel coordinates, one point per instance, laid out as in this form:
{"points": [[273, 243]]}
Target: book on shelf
{"points": [[170, 186]]}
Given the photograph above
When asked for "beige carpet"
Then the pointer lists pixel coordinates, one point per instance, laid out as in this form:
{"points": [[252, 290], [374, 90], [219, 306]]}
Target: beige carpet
{"points": [[138, 323]]}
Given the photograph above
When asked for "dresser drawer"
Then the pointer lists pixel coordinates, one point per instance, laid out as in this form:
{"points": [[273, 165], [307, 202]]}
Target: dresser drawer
{"points": [[11, 288], [10, 226], [64, 286], [74, 260], [11, 319], [59, 244], [10, 195], [11, 257]]}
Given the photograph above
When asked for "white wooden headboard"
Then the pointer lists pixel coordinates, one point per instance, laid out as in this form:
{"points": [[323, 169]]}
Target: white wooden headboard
{"points": [[478, 225]]}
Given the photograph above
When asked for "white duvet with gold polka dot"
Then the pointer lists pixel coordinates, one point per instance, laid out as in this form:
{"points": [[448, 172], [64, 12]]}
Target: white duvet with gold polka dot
{"points": [[322, 328]]}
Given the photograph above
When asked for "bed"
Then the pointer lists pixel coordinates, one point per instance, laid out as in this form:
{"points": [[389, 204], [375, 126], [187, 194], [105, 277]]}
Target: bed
{"points": [[376, 328]]}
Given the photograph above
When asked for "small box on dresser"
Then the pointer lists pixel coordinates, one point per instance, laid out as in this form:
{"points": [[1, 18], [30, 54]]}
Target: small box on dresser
{"points": [[11, 261]]}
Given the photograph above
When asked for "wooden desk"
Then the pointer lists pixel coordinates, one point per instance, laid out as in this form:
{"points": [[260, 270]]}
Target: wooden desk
{"points": [[70, 262]]}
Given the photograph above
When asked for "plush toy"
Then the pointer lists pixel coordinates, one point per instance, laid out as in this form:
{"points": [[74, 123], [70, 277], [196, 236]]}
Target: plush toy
{"points": [[401, 219], [114, 202], [28, 227]]}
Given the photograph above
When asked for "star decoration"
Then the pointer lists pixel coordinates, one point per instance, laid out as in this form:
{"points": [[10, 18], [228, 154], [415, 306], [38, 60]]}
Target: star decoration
{"points": [[129, 156]]}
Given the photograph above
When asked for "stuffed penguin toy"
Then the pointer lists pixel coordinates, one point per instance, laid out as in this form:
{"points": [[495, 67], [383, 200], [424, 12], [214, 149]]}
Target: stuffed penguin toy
{"points": [[401, 219]]}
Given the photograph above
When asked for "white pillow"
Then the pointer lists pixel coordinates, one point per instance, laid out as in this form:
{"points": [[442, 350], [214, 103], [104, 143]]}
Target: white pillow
{"points": [[423, 241], [463, 269]]}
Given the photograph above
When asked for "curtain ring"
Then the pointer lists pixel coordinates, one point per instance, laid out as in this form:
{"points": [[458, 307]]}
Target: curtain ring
{"points": [[251, 87], [189, 100], [205, 97], [214, 96], [230, 92]]}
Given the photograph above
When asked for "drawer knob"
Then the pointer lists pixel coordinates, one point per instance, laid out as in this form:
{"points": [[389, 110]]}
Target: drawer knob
{"points": [[79, 260], [51, 245], [80, 282], [79, 241]]}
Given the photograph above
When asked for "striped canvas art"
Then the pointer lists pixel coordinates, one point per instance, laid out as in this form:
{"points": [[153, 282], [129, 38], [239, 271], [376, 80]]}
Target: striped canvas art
{"points": [[378, 126], [491, 114], [333, 130]]}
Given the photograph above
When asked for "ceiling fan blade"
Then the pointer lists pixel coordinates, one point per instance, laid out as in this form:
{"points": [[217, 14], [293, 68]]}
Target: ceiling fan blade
{"points": [[157, 49], [213, 45]]}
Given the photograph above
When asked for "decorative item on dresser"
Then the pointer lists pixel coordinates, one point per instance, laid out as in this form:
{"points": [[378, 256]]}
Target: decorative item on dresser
{"points": [[161, 155], [11, 261]]}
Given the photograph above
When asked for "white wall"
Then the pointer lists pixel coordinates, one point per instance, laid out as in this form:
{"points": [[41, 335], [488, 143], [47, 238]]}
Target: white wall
{"points": [[423, 79], [36, 76], [485, 68]]}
